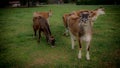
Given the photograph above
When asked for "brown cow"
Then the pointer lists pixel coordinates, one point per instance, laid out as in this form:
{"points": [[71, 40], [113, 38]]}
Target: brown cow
{"points": [[40, 23], [46, 15], [94, 16], [65, 16], [80, 28]]}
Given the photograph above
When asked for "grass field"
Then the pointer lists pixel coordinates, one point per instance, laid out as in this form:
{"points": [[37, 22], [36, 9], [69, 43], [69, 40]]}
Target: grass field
{"points": [[18, 48]]}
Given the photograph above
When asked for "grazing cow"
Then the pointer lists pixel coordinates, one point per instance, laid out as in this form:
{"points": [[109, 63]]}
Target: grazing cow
{"points": [[40, 23], [46, 15], [80, 28]]}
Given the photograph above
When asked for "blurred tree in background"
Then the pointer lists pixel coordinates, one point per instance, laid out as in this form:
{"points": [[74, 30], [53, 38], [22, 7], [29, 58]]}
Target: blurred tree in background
{"points": [[4, 3], [97, 2], [28, 3], [43, 1]]}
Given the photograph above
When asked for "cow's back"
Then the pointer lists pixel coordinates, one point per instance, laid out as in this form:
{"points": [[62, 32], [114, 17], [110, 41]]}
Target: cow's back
{"points": [[73, 23], [42, 14]]}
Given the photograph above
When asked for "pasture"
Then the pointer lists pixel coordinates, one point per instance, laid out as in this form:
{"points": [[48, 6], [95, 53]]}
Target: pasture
{"points": [[18, 48]]}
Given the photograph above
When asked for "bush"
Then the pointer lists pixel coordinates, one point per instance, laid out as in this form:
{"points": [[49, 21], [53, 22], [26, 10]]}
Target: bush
{"points": [[97, 2], [69, 1], [43, 1], [4, 3]]}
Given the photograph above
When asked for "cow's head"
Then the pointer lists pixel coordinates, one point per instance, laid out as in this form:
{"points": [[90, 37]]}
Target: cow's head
{"points": [[51, 40], [85, 17], [50, 13]]}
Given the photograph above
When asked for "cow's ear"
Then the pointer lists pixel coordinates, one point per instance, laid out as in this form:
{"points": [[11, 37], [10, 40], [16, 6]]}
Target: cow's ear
{"points": [[74, 13], [40, 17], [92, 13], [50, 10], [80, 13], [103, 9]]}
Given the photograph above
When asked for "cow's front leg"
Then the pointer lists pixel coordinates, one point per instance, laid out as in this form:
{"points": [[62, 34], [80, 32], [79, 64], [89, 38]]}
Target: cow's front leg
{"points": [[39, 36], [80, 48], [88, 47]]}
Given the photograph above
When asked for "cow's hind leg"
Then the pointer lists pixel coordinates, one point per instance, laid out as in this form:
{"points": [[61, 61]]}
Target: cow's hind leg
{"points": [[66, 32], [72, 40]]}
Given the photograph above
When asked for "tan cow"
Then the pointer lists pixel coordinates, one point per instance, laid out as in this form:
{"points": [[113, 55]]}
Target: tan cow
{"points": [[95, 14], [45, 15], [65, 16], [80, 28]]}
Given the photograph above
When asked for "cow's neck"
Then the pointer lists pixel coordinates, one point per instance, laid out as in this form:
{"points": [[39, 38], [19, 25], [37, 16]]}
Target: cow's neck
{"points": [[48, 32], [88, 28]]}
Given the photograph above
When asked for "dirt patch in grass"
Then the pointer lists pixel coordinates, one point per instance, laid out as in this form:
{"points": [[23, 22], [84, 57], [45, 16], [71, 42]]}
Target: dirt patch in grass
{"points": [[49, 57], [38, 61]]}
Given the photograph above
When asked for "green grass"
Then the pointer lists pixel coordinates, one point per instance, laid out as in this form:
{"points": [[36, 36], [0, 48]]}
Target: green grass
{"points": [[18, 48]]}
